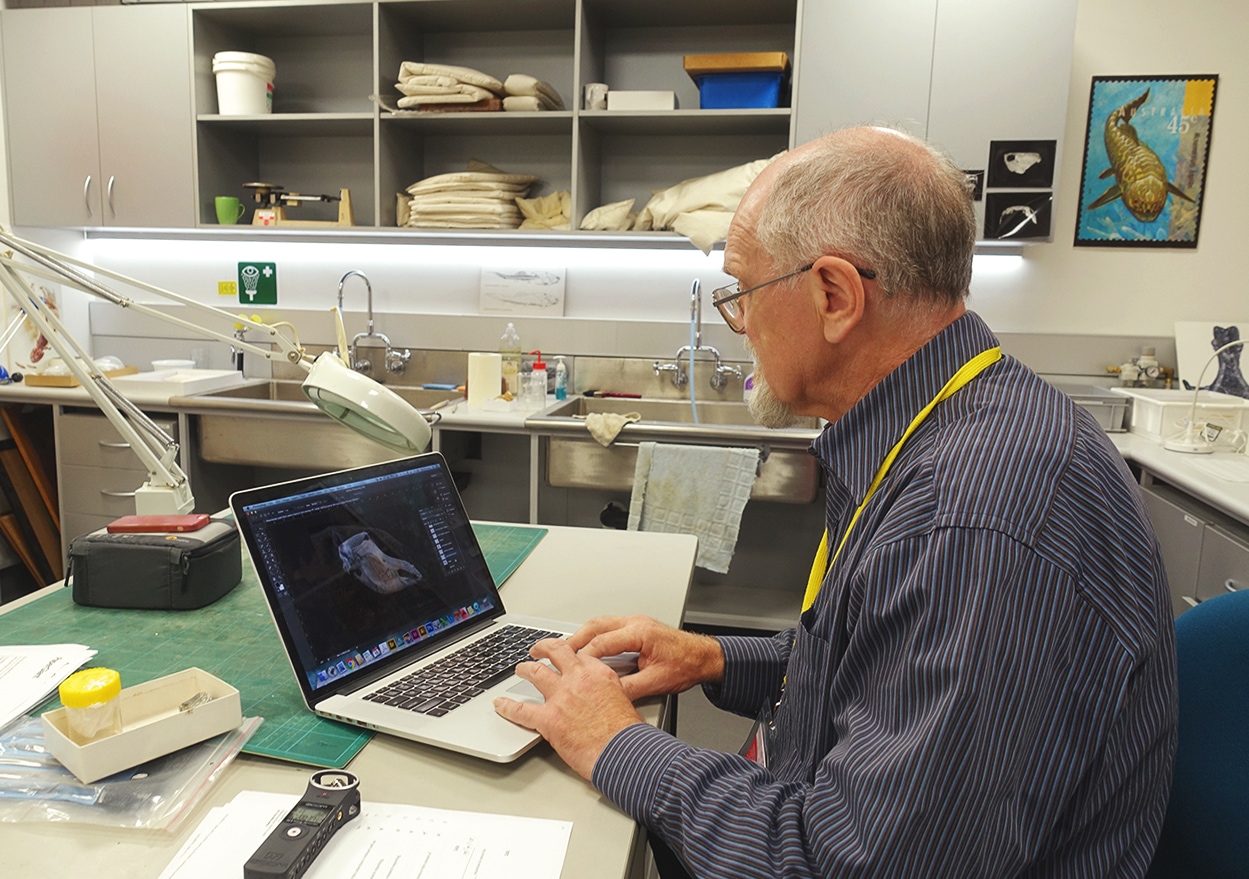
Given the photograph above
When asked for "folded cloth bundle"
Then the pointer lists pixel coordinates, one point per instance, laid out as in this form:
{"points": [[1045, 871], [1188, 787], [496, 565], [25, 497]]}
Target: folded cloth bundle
{"points": [[552, 211], [482, 197], [431, 84], [700, 207], [606, 426], [525, 92], [615, 217]]}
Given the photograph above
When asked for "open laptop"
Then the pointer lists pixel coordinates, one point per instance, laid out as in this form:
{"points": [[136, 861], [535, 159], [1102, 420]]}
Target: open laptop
{"points": [[374, 574]]}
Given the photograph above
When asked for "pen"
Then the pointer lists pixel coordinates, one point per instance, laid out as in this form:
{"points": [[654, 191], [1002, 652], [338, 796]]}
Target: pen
{"points": [[611, 394]]}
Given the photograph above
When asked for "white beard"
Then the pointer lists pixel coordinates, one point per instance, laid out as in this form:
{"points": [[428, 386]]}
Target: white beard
{"points": [[764, 406]]}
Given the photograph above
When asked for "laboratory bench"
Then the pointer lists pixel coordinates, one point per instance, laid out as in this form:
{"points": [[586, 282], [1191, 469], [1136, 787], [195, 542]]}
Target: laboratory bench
{"points": [[572, 574]]}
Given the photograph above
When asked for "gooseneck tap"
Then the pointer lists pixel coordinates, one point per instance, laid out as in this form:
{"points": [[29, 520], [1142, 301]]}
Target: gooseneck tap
{"points": [[720, 374], [395, 361]]}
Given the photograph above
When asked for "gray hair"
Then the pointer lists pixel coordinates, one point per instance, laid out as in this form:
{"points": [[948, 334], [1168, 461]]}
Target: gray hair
{"points": [[900, 208]]}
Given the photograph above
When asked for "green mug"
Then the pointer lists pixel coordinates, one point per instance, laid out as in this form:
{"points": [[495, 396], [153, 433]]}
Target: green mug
{"points": [[229, 210]]}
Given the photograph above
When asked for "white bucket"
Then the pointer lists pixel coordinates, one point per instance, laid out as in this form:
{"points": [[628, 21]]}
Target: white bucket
{"points": [[244, 83]]}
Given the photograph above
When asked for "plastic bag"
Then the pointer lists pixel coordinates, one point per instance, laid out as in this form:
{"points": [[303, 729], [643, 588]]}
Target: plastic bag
{"points": [[157, 795]]}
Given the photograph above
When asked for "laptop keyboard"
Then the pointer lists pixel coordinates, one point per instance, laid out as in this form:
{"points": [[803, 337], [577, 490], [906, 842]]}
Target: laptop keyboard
{"points": [[447, 684]]}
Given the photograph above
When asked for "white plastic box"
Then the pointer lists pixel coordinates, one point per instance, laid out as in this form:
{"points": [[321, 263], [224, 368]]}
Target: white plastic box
{"points": [[153, 724], [1160, 413], [640, 100]]}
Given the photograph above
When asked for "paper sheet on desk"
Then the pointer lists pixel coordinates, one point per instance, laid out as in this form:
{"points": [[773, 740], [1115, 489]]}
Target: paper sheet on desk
{"points": [[386, 840], [30, 674]]}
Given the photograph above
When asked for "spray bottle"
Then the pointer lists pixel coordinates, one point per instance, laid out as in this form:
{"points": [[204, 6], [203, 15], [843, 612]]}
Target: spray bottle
{"points": [[561, 378]]}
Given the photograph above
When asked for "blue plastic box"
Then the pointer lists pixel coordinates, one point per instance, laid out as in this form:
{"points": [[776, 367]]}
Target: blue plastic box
{"points": [[732, 91]]}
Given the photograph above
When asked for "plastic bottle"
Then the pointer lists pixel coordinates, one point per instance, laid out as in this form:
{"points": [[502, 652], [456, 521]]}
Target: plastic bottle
{"points": [[509, 349], [561, 378], [92, 706]]}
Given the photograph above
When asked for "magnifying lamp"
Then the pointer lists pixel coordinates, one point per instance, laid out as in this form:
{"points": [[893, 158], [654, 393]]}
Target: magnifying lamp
{"points": [[1191, 440], [354, 400]]}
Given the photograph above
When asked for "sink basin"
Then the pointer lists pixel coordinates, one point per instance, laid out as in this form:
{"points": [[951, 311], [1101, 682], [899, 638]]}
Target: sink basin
{"points": [[290, 391], [272, 424], [574, 459]]}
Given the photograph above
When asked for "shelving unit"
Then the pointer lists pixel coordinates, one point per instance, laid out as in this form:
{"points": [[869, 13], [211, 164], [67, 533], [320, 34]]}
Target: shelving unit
{"points": [[326, 131]]}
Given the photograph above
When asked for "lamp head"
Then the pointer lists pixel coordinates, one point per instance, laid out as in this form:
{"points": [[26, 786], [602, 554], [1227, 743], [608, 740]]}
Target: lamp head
{"points": [[367, 407]]}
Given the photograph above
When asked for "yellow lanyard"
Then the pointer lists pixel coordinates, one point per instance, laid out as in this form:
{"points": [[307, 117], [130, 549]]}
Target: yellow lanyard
{"points": [[967, 372]]}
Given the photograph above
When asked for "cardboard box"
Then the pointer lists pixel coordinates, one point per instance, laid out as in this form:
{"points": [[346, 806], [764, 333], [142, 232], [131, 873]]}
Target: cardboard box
{"points": [[35, 380], [736, 62], [153, 724], [641, 100]]}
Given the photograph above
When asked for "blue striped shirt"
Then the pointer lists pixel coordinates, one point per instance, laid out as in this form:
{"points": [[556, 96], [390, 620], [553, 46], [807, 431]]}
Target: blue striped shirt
{"points": [[985, 686]]}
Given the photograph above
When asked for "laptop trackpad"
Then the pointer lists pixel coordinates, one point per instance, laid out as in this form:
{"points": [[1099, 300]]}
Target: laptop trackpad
{"points": [[525, 692]]}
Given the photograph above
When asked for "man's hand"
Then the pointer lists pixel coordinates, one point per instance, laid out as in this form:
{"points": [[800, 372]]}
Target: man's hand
{"points": [[669, 660], [585, 704]]}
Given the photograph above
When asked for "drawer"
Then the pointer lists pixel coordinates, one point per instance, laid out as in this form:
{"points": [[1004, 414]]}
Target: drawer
{"points": [[100, 491], [1224, 562], [91, 441]]}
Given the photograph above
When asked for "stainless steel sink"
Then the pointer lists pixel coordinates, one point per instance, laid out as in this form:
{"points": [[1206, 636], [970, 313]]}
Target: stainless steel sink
{"points": [[574, 459], [273, 424]]}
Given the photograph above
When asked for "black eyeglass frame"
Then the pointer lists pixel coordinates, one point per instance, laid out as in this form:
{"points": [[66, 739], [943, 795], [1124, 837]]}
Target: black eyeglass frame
{"points": [[735, 321]]}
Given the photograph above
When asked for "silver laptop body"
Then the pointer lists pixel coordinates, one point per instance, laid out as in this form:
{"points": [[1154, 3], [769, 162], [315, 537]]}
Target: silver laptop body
{"points": [[373, 574]]}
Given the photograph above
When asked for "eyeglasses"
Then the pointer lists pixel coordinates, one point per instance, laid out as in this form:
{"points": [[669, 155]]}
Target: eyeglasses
{"points": [[726, 299]]}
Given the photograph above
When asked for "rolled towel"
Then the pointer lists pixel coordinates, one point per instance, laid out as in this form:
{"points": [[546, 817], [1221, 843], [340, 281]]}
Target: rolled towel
{"points": [[523, 104], [522, 84]]}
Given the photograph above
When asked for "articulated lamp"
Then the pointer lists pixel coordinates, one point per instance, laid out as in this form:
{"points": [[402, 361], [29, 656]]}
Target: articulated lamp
{"points": [[1191, 440], [348, 397]]}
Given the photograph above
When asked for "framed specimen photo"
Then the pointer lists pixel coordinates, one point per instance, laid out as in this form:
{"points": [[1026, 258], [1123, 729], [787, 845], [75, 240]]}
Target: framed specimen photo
{"points": [[1147, 143]]}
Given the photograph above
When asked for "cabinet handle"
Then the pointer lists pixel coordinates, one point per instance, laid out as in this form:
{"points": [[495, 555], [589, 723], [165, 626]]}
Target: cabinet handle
{"points": [[86, 195], [1230, 585], [111, 210], [117, 493], [114, 445]]}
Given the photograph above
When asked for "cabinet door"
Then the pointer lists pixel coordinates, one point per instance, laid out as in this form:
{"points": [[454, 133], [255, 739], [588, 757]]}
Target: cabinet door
{"points": [[1224, 563], [861, 63], [49, 96], [1179, 535], [143, 93]]}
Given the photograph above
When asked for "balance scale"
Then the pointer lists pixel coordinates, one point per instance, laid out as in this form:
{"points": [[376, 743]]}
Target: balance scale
{"points": [[272, 203]]}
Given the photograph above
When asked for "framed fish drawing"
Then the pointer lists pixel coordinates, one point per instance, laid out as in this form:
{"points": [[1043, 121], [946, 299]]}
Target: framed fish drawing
{"points": [[1146, 148]]}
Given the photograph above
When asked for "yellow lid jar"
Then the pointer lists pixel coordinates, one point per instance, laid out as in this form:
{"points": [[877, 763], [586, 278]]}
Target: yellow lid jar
{"points": [[91, 702]]}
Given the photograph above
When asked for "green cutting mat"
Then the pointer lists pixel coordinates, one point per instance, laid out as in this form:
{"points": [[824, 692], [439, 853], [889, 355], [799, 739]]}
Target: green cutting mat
{"points": [[234, 639]]}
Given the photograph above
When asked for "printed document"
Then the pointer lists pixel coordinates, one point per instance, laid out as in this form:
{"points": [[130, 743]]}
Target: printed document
{"points": [[30, 674]]}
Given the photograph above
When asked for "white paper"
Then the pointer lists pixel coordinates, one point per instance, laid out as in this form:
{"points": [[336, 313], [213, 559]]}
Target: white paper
{"points": [[385, 840], [28, 675], [522, 291]]}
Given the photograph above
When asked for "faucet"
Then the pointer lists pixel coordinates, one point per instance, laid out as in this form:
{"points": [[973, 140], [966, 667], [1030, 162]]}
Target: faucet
{"points": [[396, 361], [720, 374]]}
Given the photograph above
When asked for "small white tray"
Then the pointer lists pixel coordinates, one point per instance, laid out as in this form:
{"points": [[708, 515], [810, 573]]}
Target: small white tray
{"points": [[152, 724], [178, 382]]}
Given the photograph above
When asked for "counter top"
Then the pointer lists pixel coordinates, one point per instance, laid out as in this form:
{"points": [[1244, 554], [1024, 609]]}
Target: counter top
{"points": [[1220, 479]]}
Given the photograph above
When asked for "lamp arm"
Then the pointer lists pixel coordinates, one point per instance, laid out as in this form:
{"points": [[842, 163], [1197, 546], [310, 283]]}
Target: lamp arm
{"points": [[1189, 441], [167, 489], [61, 268]]}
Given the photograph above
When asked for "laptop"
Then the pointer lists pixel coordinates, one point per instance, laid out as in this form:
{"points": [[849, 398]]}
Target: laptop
{"points": [[387, 611]]}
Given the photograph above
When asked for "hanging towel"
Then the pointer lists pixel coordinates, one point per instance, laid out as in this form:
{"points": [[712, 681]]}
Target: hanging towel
{"points": [[698, 490], [606, 426]]}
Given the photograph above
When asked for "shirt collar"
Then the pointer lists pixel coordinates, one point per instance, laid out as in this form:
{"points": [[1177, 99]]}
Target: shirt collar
{"points": [[853, 447]]}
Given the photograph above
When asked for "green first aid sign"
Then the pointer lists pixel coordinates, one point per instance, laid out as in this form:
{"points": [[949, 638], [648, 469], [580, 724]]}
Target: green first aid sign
{"points": [[258, 283]]}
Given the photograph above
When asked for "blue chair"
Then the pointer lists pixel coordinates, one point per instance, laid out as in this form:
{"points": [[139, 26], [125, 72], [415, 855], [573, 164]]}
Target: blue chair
{"points": [[1206, 832]]}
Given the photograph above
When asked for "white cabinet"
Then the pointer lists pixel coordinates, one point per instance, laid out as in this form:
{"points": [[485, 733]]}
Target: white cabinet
{"points": [[961, 73], [98, 116]]}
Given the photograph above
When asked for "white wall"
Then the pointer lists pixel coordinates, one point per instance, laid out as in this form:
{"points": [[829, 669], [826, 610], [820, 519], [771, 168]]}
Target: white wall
{"points": [[1065, 289]]}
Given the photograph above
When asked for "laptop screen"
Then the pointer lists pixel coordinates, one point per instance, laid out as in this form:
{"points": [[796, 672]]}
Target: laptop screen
{"points": [[363, 566]]}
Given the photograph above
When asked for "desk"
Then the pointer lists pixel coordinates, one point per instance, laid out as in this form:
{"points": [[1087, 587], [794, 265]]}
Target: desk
{"points": [[573, 574]]}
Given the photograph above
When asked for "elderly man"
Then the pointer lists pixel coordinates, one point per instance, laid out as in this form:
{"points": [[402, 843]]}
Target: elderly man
{"points": [[982, 681]]}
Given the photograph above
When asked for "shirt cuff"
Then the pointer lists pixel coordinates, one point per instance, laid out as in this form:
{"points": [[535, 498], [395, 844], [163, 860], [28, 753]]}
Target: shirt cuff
{"points": [[630, 769]]}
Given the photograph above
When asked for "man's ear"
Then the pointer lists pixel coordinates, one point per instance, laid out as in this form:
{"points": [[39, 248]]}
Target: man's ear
{"points": [[840, 297]]}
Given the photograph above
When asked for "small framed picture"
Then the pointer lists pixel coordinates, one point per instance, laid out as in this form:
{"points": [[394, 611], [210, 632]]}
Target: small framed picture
{"points": [[1146, 147]]}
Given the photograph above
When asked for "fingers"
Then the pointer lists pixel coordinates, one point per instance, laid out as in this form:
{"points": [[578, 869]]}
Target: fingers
{"points": [[522, 713], [594, 628]]}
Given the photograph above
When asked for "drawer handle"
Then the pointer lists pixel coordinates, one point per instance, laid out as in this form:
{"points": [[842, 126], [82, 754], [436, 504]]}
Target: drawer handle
{"points": [[117, 493], [1230, 585], [114, 445]]}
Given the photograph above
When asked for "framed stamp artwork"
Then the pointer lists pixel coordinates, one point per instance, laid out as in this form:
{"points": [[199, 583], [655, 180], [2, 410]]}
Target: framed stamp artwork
{"points": [[1147, 144]]}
